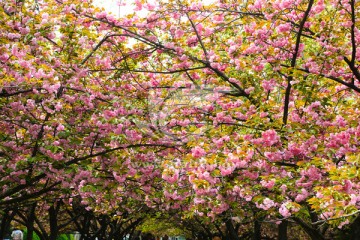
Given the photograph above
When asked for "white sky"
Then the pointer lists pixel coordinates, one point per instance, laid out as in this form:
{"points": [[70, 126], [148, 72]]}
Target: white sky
{"points": [[119, 8]]}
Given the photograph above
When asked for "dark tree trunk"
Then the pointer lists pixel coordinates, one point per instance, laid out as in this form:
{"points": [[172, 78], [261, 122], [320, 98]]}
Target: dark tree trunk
{"points": [[204, 236], [5, 223], [233, 235], [313, 233], [85, 229], [221, 232], [113, 228], [30, 222], [101, 232], [282, 230], [135, 235], [53, 213], [257, 230], [120, 231], [206, 232], [131, 234], [41, 232], [354, 231]]}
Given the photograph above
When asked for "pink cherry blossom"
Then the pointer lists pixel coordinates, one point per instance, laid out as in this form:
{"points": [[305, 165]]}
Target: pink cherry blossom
{"points": [[198, 152]]}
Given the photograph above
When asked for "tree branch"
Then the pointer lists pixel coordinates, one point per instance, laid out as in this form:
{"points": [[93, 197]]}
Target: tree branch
{"points": [[338, 80], [335, 218], [99, 45], [293, 63], [198, 37]]}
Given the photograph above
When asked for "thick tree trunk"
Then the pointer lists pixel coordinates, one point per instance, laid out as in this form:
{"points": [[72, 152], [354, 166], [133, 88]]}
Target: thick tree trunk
{"points": [[222, 235], [5, 223], [257, 230], [354, 231], [30, 222], [123, 231], [233, 235], [206, 232], [41, 232], [53, 222], [85, 230], [204, 236], [101, 232], [313, 233], [282, 230], [135, 235], [131, 234]]}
